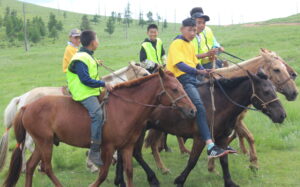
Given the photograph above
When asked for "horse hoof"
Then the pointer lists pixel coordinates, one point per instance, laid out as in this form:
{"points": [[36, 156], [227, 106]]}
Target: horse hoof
{"points": [[231, 184], [169, 150], [253, 168]]}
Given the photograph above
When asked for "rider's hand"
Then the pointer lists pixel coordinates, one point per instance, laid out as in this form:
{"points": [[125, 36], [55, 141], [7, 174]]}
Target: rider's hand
{"points": [[108, 87], [202, 72]]}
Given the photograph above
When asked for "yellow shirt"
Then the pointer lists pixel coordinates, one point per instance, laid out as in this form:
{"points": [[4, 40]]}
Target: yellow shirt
{"points": [[181, 51], [69, 53]]}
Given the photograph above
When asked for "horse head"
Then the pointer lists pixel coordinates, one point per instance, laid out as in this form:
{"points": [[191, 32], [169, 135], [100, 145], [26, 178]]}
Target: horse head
{"points": [[173, 94], [264, 97], [135, 70], [280, 74]]}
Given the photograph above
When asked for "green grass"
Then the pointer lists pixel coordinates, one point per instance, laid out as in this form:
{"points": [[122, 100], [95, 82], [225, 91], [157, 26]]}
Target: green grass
{"points": [[277, 145]]}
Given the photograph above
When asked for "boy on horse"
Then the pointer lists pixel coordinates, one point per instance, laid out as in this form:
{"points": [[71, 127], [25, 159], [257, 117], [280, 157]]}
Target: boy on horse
{"points": [[72, 48], [205, 43], [152, 52], [84, 85], [183, 63]]}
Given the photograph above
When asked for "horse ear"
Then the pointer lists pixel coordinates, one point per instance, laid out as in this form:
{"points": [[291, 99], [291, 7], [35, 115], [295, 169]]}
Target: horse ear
{"points": [[161, 72], [261, 73], [250, 74]]}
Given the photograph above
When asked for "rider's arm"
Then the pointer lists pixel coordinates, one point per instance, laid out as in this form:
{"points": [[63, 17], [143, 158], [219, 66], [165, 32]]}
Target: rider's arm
{"points": [[143, 55], [82, 71], [187, 69]]}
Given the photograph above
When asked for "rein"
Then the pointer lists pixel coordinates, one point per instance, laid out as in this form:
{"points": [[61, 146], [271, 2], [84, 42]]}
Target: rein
{"points": [[112, 71], [164, 91]]}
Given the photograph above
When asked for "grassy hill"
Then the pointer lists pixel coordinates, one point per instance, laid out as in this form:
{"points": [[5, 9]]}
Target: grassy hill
{"points": [[278, 147], [290, 19]]}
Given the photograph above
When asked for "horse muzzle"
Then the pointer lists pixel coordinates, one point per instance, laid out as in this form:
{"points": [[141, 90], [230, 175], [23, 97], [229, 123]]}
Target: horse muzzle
{"points": [[187, 113]]}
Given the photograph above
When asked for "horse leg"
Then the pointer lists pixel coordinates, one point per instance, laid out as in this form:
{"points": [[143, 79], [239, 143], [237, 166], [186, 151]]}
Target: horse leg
{"points": [[159, 163], [31, 165], [46, 151], [198, 146], [119, 179], [240, 131], [224, 163], [165, 143], [137, 153], [182, 148], [28, 145], [127, 164], [106, 154], [252, 151], [232, 137]]}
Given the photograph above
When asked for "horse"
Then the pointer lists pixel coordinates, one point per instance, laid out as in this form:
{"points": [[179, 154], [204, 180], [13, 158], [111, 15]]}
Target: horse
{"points": [[252, 89], [281, 75], [53, 119], [130, 72]]}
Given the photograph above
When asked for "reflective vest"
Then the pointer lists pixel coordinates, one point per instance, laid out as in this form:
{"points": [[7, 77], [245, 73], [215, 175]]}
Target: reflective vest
{"points": [[78, 90], [152, 54], [206, 43]]}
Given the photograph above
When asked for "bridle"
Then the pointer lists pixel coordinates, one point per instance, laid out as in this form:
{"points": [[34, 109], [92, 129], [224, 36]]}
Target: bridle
{"points": [[164, 91]]}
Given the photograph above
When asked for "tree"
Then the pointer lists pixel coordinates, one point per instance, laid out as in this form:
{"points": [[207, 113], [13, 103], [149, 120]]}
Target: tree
{"points": [[127, 15], [150, 17], [119, 19], [1, 21], [52, 22], [158, 19], [110, 26], [65, 14], [59, 26], [142, 22], [114, 16], [165, 24], [85, 23], [53, 33], [95, 19]]}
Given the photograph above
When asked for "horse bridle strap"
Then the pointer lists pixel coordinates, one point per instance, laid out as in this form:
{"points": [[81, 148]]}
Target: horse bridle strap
{"points": [[164, 91]]}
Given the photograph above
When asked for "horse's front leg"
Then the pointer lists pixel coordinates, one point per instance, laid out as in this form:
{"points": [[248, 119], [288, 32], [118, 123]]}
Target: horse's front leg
{"points": [[198, 146], [225, 167]]}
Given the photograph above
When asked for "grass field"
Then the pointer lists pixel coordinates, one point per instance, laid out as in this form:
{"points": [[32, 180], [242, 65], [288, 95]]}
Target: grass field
{"points": [[277, 145]]}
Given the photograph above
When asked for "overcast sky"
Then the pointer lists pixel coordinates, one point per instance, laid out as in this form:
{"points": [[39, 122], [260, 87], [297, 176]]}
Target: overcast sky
{"points": [[220, 11]]}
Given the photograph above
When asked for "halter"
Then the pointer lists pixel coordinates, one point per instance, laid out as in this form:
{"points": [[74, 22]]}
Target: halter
{"points": [[164, 91]]}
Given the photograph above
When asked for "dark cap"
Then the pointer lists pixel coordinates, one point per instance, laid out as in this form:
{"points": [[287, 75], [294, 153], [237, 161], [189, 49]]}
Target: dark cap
{"points": [[75, 32], [200, 15], [189, 22]]}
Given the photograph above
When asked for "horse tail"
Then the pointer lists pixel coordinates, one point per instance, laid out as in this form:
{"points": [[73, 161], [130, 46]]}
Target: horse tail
{"points": [[9, 115], [152, 137], [16, 159]]}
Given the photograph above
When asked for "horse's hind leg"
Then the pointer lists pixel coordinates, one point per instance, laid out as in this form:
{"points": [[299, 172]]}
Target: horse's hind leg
{"points": [[127, 164], [182, 148], [46, 150], [119, 179], [159, 163], [31, 165]]}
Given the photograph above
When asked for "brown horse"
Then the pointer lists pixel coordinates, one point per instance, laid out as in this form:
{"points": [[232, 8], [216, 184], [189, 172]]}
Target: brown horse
{"points": [[58, 118], [256, 90]]}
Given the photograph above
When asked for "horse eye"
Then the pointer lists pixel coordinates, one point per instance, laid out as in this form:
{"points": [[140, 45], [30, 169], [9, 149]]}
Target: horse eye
{"points": [[266, 93], [293, 75], [276, 70], [175, 90]]}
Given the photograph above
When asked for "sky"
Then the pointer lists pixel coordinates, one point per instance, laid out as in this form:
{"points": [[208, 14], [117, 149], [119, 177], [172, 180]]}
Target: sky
{"points": [[221, 12]]}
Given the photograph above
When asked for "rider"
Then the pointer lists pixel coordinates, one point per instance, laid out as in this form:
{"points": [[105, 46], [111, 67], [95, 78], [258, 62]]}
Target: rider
{"points": [[152, 52], [72, 48], [84, 85], [206, 45], [183, 63]]}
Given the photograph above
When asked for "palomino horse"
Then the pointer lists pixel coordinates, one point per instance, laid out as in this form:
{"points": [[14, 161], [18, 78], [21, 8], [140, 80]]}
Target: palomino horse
{"points": [[132, 71], [255, 89], [281, 76], [59, 118]]}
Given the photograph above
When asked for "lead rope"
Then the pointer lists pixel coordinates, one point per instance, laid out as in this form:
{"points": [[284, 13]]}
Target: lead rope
{"points": [[213, 107]]}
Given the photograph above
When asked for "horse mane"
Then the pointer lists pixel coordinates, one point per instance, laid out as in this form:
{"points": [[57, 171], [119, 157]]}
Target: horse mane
{"points": [[230, 83], [234, 68], [136, 82]]}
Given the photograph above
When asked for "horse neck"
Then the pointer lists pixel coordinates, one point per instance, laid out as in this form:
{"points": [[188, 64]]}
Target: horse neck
{"points": [[240, 94], [251, 65], [116, 77]]}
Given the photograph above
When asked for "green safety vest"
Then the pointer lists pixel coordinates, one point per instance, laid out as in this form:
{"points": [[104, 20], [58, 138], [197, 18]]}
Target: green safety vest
{"points": [[206, 43], [152, 54], [78, 90]]}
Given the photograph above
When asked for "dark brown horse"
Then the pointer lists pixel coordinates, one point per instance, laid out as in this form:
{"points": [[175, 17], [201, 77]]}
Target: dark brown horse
{"points": [[59, 118], [253, 89]]}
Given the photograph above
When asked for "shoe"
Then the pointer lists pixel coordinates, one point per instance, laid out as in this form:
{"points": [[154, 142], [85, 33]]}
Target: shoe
{"points": [[95, 157], [216, 152], [231, 150]]}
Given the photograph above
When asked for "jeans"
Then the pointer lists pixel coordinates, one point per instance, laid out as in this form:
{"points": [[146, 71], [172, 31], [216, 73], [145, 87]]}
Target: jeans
{"points": [[95, 112], [189, 83], [219, 64]]}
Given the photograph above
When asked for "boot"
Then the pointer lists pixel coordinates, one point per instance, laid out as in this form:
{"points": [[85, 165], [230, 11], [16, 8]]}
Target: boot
{"points": [[95, 154]]}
